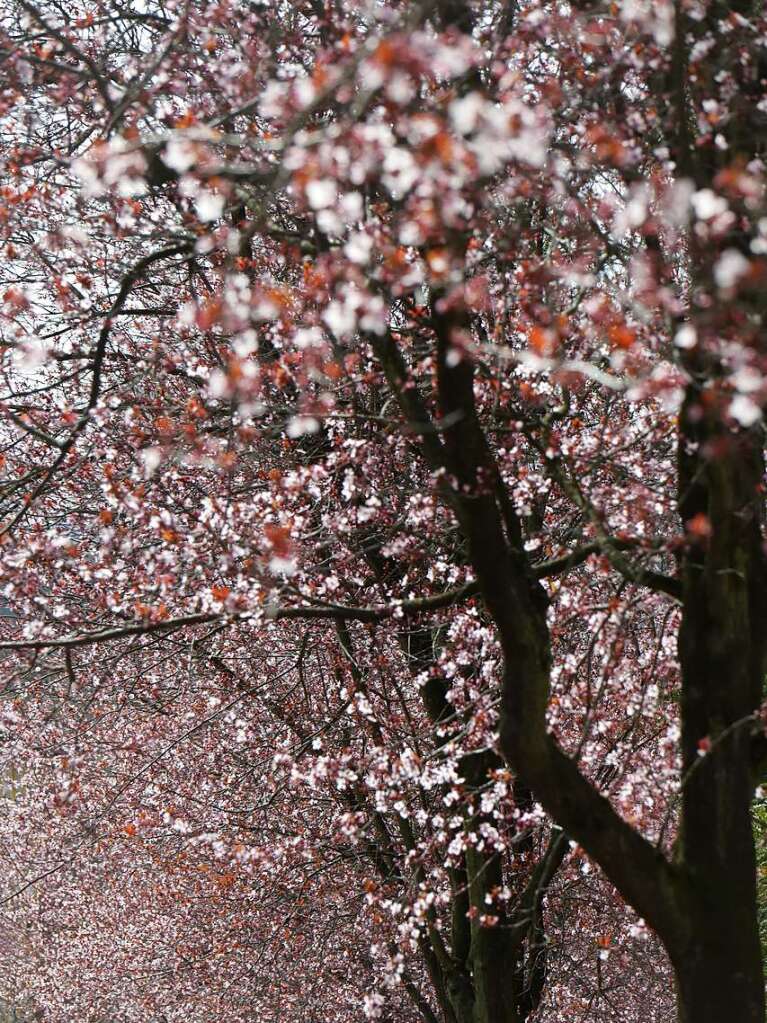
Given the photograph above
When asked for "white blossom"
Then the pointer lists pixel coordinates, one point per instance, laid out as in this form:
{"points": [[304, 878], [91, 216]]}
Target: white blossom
{"points": [[729, 268], [686, 336], [708, 204], [745, 410], [321, 193], [209, 206]]}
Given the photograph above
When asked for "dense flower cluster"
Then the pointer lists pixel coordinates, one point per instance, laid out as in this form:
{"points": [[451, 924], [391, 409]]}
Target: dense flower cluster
{"points": [[302, 305]]}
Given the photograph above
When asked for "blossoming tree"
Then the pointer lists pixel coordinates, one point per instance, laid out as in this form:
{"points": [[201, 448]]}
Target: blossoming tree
{"points": [[382, 507]]}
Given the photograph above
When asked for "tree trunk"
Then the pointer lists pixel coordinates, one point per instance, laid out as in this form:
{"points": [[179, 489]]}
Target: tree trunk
{"points": [[722, 657], [493, 956], [721, 980]]}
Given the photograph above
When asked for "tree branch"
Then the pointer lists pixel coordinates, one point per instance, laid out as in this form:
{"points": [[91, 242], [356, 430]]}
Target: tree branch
{"points": [[518, 607], [66, 446]]}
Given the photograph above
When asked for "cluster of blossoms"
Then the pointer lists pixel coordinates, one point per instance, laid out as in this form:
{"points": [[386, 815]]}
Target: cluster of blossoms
{"points": [[303, 306]]}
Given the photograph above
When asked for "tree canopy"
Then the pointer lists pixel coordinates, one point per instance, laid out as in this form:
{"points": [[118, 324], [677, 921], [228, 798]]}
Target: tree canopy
{"points": [[382, 510]]}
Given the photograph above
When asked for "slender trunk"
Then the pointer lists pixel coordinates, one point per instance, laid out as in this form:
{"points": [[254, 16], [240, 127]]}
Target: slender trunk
{"points": [[493, 956]]}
